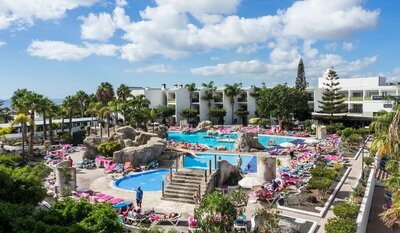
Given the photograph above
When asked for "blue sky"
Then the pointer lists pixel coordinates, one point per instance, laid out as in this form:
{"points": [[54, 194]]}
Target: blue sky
{"points": [[58, 48]]}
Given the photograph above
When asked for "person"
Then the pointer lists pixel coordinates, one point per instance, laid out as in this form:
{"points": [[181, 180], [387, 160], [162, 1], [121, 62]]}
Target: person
{"points": [[248, 167], [196, 197], [274, 184], [70, 161], [239, 219], [139, 197], [239, 161], [291, 153]]}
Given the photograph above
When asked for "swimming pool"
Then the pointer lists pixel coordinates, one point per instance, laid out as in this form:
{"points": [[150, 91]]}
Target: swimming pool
{"points": [[148, 181], [200, 161], [212, 141]]}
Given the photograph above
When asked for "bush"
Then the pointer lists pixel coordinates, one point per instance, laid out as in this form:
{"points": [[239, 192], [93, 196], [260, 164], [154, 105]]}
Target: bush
{"points": [[333, 128], [346, 210], [337, 225], [215, 213], [108, 148], [323, 172], [320, 183], [238, 197], [337, 167], [368, 160]]}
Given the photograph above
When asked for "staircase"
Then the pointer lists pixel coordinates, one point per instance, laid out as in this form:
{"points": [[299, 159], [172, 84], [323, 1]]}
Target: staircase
{"points": [[184, 184], [381, 175]]}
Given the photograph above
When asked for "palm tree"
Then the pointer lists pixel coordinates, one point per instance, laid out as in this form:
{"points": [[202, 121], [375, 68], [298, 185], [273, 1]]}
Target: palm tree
{"points": [[20, 106], [106, 112], [22, 119], [83, 100], [208, 85], [104, 93], [52, 111], [69, 104], [153, 116], [34, 101], [123, 93], [44, 108], [93, 110], [232, 91], [115, 108], [191, 88]]}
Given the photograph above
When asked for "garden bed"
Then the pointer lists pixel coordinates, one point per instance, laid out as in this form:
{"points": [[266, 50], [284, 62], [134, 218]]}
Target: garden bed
{"points": [[297, 224], [301, 202]]}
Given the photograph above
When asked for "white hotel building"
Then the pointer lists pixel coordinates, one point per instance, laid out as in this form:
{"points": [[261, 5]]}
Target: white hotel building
{"points": [[179, 97], [364, 96]]}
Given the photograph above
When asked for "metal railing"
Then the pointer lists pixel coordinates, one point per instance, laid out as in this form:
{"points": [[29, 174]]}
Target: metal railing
{"points": [[355, 110], [358, 98]]}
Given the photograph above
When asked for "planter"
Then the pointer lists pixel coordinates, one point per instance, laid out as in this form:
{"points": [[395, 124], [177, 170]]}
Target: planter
{"points": [[362, 218]]}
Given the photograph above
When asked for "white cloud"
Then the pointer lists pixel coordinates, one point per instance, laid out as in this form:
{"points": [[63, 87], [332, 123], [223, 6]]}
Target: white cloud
{"points": [[249, 49], [61, 51], [196, 7], [331, 46], [21, 13], [321, 19], [101, 27], [233, 68], [160, 68], [348, 46], [2, 43]]}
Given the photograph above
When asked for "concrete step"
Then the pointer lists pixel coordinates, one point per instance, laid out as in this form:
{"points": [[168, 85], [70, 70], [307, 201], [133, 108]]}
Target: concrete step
{"points": [[182, 191], [180, 176], [181, 200], [188, 188], [185, 181], [188, 185], [179, 195]]}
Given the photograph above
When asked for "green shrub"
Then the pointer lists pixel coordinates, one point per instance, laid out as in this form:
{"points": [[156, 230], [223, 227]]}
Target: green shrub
{"points": [[108, 148], [333, 128], [337, 167], [368, 160], [239, 197], [320, 183], [346, 210], [345, 133], [337, 225], [10, 160], [323, 172]]}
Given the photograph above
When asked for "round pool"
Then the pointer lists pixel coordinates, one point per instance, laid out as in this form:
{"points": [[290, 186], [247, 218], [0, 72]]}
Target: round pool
{"points": [[148, 181]]}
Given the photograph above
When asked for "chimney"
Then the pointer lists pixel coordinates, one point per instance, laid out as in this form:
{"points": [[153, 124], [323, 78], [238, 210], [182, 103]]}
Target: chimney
{"points": [[181, 86], [163, 86], [176, 85], [240, 84], [263, 84]]}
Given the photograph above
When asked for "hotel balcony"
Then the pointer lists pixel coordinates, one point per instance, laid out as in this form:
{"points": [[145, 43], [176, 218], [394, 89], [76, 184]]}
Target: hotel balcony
{"points": [[358, 98], [355, 111]]}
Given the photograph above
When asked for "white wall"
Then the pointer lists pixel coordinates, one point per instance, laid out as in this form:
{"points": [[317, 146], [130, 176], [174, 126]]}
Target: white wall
{"points": [[156, 97], [182, 101], [356, 82]]}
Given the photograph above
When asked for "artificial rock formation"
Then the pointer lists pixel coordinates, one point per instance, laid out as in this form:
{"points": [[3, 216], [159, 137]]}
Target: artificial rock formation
{"points": [[204, 125], [247, 142], [142, 154], [266, 167], [91, 144]]}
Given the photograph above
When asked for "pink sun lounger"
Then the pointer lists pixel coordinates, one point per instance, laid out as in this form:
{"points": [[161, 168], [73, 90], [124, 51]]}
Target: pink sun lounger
{"points": [[117, 200], [110, 168], [105, 198]]}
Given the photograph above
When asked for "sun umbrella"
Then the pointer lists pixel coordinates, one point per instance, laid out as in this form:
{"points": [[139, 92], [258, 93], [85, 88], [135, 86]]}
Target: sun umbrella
{"points": [[312, 141], [251, 181], [287, 144]]}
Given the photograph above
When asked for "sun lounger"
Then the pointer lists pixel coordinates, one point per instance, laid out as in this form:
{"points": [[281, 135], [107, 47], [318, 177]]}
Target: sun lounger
{"points": [[116, 201], [192, 224], [105, 198], [152, 164], [110, 168], [134, 218], [127, 165], [159, 217], [240, 224]]}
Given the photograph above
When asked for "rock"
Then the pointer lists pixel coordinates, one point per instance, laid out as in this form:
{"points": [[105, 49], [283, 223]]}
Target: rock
{"points": [[91, 144], [126, 132], [246, 141], [226, 171], [143, 137], [220, 147], [254, 150], [142, 154], [162, 131], [129, 143], [204, 125]]}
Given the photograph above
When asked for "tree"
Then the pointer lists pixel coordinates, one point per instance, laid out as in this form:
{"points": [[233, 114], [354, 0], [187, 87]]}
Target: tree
{"points": [[69, 104], [332, 100], [115, 108], [123, 93], [83, 101], [280, 102], [153, 116], [165, 112], [93, 110], [52, 111], [33, 100], [191, 88], [188, 113], [22, 119], [218, 113], [215, 213], [301, 82], [104, 93], [106, 112], [232, 91], [44, 109], [242, 114]]}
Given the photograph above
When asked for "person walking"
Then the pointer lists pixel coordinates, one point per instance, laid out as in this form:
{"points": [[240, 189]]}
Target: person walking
{"points": [[139, 197]]}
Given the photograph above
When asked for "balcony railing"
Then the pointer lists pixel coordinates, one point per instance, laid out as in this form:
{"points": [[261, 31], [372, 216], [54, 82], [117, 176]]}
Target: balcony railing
{"points": [[358, 98], [380, 97], [171, 101], [195, 100], [355, 110], [242, 100], [218, 99]]}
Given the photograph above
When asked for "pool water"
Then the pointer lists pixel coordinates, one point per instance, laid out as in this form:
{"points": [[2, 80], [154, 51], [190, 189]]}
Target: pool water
{"points": [[148, 181], [201, 161], [202, 138]]}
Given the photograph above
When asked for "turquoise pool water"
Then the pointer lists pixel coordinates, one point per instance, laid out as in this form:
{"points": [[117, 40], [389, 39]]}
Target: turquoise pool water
{"points": [[202, 138], [201, 161], [148, 181]]}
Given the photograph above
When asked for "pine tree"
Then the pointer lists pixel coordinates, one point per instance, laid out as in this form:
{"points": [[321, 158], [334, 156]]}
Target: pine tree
{"points": [[301, 82], [332, 99]]}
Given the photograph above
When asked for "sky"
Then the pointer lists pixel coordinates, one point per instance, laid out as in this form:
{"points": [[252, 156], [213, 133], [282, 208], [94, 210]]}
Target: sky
{"points": [[59, 47]]}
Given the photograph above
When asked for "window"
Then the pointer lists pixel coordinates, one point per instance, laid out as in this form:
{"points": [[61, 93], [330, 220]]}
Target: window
{"points": [[357, 94]]}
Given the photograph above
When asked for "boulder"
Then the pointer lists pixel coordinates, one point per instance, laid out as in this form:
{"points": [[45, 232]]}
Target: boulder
{"points": [[143, 137], [247, 141], [142, 154], [125, 132], [91, 144], [226, 171], [128, 143], [204, 125]]}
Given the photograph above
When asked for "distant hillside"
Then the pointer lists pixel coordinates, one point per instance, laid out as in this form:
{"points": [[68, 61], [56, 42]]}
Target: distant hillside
{"points": [[7, 102]]}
